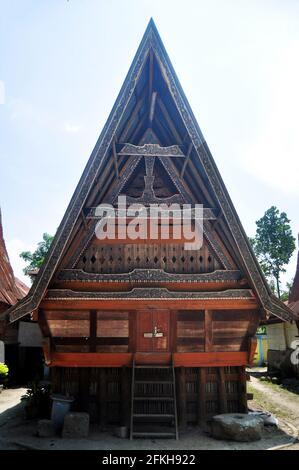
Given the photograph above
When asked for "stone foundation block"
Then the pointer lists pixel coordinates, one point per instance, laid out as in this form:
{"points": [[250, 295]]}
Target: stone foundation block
{"points": [[237, 427]]}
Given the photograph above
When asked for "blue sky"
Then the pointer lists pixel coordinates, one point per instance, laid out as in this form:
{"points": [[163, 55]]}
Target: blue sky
{"points": [[63, 62]]}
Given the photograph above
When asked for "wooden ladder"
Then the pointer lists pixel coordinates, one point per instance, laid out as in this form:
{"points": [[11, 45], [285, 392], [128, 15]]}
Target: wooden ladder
{"points": [[153, 401]]}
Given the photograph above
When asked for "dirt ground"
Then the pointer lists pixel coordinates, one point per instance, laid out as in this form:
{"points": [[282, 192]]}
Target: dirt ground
{"points": [[285, 402], [17, 433]]}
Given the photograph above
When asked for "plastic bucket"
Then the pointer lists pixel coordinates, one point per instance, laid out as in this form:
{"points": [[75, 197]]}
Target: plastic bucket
{"points": [[60, 407]]}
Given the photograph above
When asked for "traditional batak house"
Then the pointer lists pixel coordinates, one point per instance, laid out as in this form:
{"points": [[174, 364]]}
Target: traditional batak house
{"points": [[20, 342], [138, 330]]}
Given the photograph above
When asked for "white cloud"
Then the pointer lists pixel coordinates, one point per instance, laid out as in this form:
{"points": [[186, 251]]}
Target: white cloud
{"points": [[28, 115], [14, 248], [274, 156], [71, 128], [23, 111]]}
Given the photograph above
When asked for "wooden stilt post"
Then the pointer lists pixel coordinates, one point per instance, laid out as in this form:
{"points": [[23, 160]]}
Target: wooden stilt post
{"points": [[102, 396], [125, 397], [242, 390], [222, 390], [182, 397], [202, 396]]}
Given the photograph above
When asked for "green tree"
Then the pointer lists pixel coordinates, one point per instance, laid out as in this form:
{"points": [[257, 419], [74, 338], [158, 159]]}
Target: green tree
{"points": [[284, 296], [273, 244], [36, 259]]}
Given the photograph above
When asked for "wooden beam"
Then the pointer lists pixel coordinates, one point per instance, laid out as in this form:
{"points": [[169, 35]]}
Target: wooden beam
{"points": [[169, 121], [47, 349], [42, 321], [171, 169], [200, 182], [207, 214], [151, 150], [152, 358], [182, 397], [93, 330], [152, 106], [208, 330], [125, 133], [165, 133], [115, 159], [212, 359], [125, 304], [186, 159], [91, 359], [222, 390], [107, 175], [151, 74], [92, 341], [84, 220], [242, 389], [102, 397], [77, 279], [222, 254], [125, 396], [125, 174], [202, 396]]}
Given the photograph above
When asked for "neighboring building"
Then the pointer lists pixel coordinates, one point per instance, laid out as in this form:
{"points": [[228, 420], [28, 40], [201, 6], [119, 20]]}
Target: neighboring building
{"points": [[281, 335], [294, 306], [294, 292], [121, 312], [261, 352], [20, 351]]}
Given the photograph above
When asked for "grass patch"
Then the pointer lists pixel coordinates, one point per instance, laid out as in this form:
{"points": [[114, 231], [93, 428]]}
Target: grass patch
{"points": [[288, 389], [262, 400]]}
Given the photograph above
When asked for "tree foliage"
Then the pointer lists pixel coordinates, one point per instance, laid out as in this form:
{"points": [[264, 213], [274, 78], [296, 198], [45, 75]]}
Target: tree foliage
{"points": [[35, 259], [273, 244]]}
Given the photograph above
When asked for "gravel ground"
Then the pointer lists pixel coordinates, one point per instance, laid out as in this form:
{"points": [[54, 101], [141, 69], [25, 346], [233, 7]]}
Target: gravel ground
{"points": [[17, 433]]}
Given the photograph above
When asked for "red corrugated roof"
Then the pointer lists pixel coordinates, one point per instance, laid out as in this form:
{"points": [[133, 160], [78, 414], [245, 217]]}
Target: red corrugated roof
{"points": [[11, 288]]}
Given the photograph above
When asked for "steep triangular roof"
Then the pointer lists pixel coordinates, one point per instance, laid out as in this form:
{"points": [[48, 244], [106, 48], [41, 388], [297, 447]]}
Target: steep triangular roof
{"points": [[11, 289], [294, 292], [127, 114]]}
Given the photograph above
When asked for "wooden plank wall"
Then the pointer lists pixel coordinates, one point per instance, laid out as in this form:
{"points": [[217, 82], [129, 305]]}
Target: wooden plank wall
{"points": [[115, 331], [218, 330], [89, 331], [201, 392]]}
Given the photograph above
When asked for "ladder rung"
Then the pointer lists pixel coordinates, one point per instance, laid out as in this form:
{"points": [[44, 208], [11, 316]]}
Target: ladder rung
{"points": [[154, 398], [163, 382], [154, 434], [154, 424], [153, 415], [152, 367]]}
